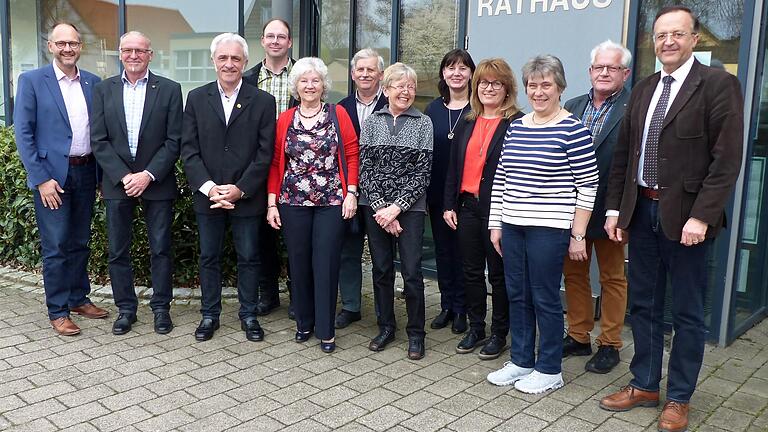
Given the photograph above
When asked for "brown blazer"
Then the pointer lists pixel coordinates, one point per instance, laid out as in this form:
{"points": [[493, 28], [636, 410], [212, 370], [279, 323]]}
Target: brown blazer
{"points": [[700, 151]]}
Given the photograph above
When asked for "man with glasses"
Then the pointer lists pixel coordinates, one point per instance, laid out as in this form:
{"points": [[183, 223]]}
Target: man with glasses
{"points": [[53, 140], [271, 75], [135, 135], [677, 159], [601, 111]]}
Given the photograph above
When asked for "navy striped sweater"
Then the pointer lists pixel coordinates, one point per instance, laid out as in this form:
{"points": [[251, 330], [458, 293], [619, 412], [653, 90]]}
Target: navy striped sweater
{"points": [[544, 174]]}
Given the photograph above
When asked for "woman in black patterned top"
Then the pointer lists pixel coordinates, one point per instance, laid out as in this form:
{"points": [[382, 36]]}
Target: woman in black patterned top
{"points": [[395, 164]]}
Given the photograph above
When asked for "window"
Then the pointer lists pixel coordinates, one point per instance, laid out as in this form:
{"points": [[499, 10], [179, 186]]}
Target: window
{"points": [[334, 46], [193, 67]]}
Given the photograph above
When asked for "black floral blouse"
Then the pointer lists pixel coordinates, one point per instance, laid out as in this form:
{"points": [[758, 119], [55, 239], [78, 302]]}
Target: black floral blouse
{"points": [[312, 170]]}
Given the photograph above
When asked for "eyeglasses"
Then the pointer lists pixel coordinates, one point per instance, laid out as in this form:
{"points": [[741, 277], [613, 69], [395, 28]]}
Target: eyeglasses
{"points": [[675, 35], [280, 37], [601, 68], [496, 85], [401, 88], [135, 51], [63, 44]]}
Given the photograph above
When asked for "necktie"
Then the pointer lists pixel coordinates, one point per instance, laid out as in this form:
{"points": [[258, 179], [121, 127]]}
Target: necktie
{"points": [[651, 153]]}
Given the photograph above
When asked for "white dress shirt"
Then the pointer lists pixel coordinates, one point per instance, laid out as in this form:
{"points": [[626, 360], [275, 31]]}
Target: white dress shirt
{"points": [[77, 111], [228, 102], [133, 104]]}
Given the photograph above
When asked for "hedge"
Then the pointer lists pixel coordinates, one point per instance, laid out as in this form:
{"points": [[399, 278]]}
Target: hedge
{"points": [[20, 245]]}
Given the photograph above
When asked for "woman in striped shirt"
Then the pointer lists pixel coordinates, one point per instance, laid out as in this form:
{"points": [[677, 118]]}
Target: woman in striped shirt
{"points": [[541, 201]]}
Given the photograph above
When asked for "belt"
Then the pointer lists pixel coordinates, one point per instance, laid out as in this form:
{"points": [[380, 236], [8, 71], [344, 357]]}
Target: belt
{"points": [[649, 193], [81, 160], [467, 195]]}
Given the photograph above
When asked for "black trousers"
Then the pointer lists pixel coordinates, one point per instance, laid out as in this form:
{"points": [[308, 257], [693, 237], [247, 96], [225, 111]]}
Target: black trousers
{"points": [[313, 237], [270, 263], [382, 247], [450, 278], [477, 252]]}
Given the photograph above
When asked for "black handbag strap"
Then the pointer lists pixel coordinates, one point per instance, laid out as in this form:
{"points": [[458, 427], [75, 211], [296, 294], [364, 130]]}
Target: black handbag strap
{"points": [[342, 154]]}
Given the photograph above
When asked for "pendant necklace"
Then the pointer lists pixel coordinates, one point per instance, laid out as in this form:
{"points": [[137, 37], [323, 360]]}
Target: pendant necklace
{"points": [[452, 128], [533, 118]]}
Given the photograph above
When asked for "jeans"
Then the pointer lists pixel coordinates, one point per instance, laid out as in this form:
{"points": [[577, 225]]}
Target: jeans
{"points": [[533, 265], [450, 278], [245, 235], [477, 251], [313, 237], [64, 236], [382, 248], [158, 215], [653, 257]]}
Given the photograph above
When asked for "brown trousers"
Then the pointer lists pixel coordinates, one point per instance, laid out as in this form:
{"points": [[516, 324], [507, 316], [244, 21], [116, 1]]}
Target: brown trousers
{"points": [[578, 293]]}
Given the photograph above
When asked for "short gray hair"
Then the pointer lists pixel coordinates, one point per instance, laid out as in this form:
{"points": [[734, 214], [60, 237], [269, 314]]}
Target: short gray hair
{"points": [[304, 66], [396, 72], [366, 53], [229, 37], [543, 65], [138, 34], [609, 45]]}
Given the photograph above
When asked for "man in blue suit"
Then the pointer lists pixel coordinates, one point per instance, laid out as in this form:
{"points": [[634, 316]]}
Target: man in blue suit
{"points": [[53, 140]]}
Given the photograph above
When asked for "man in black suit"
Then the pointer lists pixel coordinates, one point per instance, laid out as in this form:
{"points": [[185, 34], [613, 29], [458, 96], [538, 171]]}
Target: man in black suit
{"points": [[227, 144], [135, 136], [677, 159], [367, 72], [601, 110]]}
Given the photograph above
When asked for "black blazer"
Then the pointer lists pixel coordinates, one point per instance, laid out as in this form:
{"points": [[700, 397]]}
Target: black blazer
{"points": [[159, 137], [456, 165], [604, 145], [238, 153], [251, 76], [349, 103]]}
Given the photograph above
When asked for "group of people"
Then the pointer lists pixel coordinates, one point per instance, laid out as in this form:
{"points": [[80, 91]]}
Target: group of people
{"points": [[521, 199]]}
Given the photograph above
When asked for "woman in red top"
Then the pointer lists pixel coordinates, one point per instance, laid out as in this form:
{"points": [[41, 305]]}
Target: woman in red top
{"points": [[312, 189], [467, 200]]}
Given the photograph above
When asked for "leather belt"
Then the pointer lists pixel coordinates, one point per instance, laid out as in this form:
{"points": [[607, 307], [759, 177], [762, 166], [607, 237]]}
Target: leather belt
{"points": [[649, 193], [81, 160]]}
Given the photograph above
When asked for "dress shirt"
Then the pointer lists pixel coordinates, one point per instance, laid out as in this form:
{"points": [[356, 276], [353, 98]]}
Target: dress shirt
{"points": [[593, 117], [228, 102], [77, 112], [276, 84], [365, 109], [133, 104]]}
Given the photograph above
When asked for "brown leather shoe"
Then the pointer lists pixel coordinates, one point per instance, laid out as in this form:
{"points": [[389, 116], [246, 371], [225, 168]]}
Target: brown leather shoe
{"points": [[629, 397], [65, 326], [674, 417], [89, 310]]}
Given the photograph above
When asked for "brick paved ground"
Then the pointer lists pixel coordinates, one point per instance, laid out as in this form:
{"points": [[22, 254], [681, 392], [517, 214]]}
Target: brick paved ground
{"points": [[147, 382]]}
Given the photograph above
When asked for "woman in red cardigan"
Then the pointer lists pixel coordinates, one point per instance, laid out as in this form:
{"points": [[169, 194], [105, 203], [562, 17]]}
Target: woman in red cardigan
{"points": [[312, 189]]}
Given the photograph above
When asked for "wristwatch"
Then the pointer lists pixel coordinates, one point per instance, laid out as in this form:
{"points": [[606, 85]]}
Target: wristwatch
{"points": [[577, 237], [355, 192]]}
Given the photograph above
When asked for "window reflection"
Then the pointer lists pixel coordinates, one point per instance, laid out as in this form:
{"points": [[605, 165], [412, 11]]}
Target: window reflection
{"points": [[374, 26], [334, 46]]}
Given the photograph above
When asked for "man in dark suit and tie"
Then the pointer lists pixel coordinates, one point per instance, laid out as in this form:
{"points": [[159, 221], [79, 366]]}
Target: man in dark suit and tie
{"points": [[601, 110], [227, 144], [53, 140], [675, 165], [135, 135], [367, 72]]}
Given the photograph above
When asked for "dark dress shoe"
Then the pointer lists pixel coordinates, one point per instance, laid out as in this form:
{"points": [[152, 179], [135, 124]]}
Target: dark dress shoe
{"points": [[442, 319], [459, 325], [264, 307], [253, 331], [163, 322], [302, 337], [415, 348], [493, 347], [328, 347], [472, 340], [206, 329], [123, 323], [572, 347], [345, 318], [604, 361], [382, 339]]}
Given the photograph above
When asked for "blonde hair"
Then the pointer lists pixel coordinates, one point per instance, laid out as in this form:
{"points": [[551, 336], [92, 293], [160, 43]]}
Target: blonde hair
{"points": [[499, 69], [396, 72]]}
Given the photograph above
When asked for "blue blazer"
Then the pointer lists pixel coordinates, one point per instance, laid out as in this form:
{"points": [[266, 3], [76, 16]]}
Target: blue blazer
{"points": [[43, 132]]}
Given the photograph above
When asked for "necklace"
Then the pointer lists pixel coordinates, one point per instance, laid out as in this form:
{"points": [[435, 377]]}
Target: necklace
{"points": [[310, 116], [452, 128], [533, 118]]}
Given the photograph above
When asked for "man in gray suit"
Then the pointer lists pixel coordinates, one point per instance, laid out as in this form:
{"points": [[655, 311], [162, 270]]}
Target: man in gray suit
{"points": [[601, 110]]}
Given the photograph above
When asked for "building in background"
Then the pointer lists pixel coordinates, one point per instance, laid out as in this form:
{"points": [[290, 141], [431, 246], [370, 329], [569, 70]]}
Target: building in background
{"points": [[419, 32]]}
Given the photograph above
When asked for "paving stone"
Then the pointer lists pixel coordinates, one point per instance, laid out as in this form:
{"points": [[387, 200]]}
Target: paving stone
{"points": [[127, 398], [461, 404], [210, 406], [307, 425], [46, 392], [171, 384], [295, 412], [729, 419], [39, 425], [10, 402], [407, 384], [253, 408], [548, 409], [616, 425], [81, 427], [747, 403], [367, 382], [259, 424], [168, 402], [332, 396], [570, 424], [475, 421], [504, 407], [447, 387], [375, 399], [217, 422], [34, 411], [339, 415], [78, 414], [717, 386], [207, 373], [121, 419], [431, 419], [755, 386], [522, 423], [384, 418], [418, 401], [329, 379], [167, 421]]}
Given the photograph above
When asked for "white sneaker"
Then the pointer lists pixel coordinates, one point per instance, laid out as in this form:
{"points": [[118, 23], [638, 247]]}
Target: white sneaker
{"points": [[537, 382], [508, 374]]}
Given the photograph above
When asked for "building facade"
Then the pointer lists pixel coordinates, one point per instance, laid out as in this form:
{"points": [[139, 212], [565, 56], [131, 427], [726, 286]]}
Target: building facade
{"points": [[419, 32]]}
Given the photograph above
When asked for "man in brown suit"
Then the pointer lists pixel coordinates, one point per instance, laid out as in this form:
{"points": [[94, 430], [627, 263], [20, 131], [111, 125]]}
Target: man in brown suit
{"points": [[677, 158]]}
